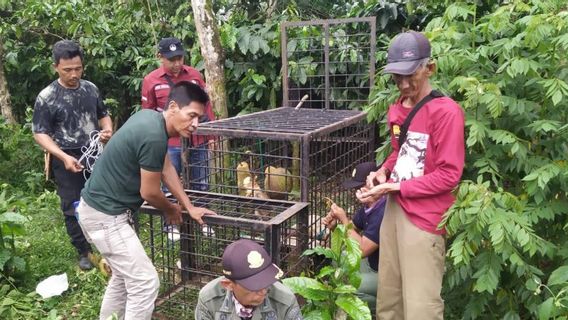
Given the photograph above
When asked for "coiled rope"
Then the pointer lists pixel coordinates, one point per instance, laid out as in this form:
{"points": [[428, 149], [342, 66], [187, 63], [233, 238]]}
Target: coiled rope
{"points": [[91, 152]]}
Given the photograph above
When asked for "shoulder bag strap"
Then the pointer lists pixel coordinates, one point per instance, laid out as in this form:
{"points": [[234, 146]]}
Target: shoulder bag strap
{"points": [[404, 128]]}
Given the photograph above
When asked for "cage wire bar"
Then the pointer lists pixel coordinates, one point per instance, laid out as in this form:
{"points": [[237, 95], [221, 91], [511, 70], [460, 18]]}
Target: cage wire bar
{"points": [[288, 154], [186, 265], [331, 61]]}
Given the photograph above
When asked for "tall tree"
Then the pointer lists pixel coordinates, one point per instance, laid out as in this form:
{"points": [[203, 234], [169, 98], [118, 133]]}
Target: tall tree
{"points": [[5, 104], [212, 53]]}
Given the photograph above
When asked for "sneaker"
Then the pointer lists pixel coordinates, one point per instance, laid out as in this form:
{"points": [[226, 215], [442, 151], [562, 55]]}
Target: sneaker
{"points": [[173, 232], [85, 263]]}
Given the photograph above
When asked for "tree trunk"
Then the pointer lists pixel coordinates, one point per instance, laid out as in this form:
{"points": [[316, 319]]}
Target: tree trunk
{"points": [[5, 104], [212, 53]]}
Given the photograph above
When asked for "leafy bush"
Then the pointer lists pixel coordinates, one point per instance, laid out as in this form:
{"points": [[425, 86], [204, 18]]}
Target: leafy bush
{"points": [[508, 227], [21, 160], [11, 226], [331, 294]]}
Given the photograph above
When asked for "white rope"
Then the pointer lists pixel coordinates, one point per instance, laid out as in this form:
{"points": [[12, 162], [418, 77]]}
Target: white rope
{"points": [[91, 152]]}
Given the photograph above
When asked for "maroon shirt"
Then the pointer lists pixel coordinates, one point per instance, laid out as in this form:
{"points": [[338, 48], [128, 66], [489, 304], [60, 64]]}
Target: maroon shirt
{"points": [[156, 89], [430, 162]]}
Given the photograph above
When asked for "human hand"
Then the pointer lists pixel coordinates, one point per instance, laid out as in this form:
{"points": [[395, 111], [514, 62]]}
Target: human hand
{"points": [[368, 200], [329, 221], [376, 178], [105, 135], [72, 164], [376, 192], [173, 215], [339, 214], [197, 213]]}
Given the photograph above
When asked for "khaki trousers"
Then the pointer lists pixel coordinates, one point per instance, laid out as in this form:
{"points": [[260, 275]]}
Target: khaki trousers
{"points": [[133, 287], [411, 268]]}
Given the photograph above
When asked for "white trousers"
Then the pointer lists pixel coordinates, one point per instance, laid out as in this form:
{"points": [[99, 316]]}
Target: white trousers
{"points": [[134, 284]]}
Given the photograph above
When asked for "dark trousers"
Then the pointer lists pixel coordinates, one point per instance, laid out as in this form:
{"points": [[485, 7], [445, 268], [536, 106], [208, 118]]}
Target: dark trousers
{"points": [[69, 187]]}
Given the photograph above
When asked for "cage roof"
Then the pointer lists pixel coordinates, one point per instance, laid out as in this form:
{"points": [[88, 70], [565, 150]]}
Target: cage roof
{"points": [[284, 121]]}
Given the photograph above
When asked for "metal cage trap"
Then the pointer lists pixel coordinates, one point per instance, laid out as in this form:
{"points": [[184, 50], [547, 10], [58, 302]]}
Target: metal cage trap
{"points": [[271, 175], [187, 265], [288, 154]]}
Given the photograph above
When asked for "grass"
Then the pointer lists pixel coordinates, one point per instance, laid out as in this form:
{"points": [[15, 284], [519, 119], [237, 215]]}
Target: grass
{"points": [[48, 251]]}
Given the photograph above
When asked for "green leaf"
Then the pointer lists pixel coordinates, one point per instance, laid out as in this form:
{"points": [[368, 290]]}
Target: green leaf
{"points": [[544, 310], [345, 288], [258, 79], [5, 255], [325, 271], [354, 307], [13, 217], [352, 254], [302, 77], [291, 48], [8, 301], [243, 40], [559, 276], [337, 239], [18, 263], [355, 279], [317, 315], [254, 45], [512, 315], [307, 288]]}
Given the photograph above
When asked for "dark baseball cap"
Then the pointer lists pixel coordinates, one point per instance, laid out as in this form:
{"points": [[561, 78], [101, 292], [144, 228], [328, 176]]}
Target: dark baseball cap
{"points": [[170, 47], [406, 52], [248, 264], [359, 175]]}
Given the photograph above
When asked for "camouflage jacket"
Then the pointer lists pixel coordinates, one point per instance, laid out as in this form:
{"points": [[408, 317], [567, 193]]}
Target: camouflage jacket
{"points": [[216, 303]]}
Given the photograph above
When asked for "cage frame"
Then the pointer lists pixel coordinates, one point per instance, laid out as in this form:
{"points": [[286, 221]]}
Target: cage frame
{"points": [[303, 138], [271, 226], [326, 24]]}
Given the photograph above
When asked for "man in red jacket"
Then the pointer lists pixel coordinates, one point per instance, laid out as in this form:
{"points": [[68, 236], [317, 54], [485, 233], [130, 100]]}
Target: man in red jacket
{"points": [[419, 175]]}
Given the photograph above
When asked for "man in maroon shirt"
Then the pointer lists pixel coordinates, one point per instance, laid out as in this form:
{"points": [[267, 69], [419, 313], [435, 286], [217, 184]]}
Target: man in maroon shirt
{"points": [[419, 175], [155, 91]]}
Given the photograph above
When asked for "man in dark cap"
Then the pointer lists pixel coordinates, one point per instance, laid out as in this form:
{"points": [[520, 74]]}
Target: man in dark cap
{"points": [[426, 164], [156, 87], [427, 138], [249, 290], [367, 221]]}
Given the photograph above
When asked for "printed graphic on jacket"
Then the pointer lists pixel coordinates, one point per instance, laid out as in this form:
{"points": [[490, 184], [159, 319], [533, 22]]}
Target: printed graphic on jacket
{"points": [[411, 157]]}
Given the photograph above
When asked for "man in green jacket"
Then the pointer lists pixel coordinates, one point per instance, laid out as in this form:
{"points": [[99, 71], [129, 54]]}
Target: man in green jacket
{"points": [[250, 289]]}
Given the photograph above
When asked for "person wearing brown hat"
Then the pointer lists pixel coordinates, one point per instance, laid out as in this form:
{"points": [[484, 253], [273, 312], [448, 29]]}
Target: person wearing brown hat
{"points": [[249, 288], [426, 164], [367, 221]]}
